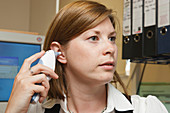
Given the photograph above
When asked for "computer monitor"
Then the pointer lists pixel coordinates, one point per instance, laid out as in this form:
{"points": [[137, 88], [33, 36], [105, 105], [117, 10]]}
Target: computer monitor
{"points": [[14, 49]]}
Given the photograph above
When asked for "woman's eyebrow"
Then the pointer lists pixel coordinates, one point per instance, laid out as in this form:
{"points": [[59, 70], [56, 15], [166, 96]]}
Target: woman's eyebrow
{"points": [[98, 32], [113, 33]]}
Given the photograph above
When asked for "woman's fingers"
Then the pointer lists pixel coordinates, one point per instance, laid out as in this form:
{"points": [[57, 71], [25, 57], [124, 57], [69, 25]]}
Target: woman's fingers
{"points": [[39, 78], [37, 88], [39, 68], [33, 84], [27, 62], [43, 94], [36, 74], [25, 83], [27, 78]]}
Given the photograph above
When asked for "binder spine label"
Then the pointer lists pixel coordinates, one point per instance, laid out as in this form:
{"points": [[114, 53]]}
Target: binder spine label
{"points": [[137, 17], [149, 13], [127, 18], [163, 13]]}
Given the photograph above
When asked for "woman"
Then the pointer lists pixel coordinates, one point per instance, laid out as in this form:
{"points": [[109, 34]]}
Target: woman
{"points": [[84, 33]]}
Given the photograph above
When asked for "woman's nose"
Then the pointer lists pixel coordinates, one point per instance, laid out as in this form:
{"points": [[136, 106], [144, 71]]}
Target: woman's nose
{"points": [[109, 48]]}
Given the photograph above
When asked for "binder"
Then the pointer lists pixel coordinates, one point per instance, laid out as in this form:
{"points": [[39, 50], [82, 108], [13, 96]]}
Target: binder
{"points": [[137, 28], [164, 27], [150, 28], [127, 26]]}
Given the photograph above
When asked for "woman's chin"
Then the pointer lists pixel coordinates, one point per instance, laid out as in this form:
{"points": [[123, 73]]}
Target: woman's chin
{"points": [[106, 79]]}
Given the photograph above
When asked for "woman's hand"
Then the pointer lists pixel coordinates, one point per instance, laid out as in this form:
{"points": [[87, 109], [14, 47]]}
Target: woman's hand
{"points": [[24, 84]]}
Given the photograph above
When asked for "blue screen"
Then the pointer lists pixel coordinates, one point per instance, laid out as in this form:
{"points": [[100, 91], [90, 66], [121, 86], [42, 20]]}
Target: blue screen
{"points": [[12, 56]]}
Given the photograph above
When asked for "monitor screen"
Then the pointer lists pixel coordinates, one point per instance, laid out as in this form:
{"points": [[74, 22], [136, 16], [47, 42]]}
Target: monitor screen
{"points": [[12, 55]]}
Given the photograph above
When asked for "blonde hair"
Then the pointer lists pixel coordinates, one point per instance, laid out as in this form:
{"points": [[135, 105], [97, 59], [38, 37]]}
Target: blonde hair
{"points": [[71, 21]]}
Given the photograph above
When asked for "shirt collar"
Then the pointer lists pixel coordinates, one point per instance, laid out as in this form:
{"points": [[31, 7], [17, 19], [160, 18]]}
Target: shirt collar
{"points": [[115, 100], [51, 102]]}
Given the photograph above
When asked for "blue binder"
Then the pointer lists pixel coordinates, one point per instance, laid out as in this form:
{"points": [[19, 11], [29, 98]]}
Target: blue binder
{"points": [[164, 27], [164, 41]]}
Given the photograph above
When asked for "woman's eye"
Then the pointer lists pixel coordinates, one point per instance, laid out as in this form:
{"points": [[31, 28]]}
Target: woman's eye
{"points": [[93, 38], [112, 39]]}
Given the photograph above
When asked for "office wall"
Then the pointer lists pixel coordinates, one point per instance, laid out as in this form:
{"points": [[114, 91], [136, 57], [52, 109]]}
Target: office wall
{"points": [[64, 2], [157, 73], [27, 15], [15, 14], [42, 13]]}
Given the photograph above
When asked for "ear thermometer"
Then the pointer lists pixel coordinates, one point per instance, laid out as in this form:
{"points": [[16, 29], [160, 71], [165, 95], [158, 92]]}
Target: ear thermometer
{"points": [[49, 60]]}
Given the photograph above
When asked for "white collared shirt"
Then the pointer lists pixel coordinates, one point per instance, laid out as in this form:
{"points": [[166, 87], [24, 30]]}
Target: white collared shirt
{"points": [[116, 100]]}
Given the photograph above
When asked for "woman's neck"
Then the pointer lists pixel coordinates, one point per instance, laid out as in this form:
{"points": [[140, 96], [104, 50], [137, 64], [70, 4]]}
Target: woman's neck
{"points": [[82, 98]]}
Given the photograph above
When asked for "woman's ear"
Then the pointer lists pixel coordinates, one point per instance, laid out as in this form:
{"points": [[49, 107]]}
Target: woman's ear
{"points": [[55, 46]]}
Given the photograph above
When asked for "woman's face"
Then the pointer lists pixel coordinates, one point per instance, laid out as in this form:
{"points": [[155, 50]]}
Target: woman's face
{"points": [[91, 57]]}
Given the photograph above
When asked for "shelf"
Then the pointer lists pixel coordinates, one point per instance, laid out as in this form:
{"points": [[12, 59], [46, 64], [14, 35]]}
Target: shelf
{"points": [[154, 60]]}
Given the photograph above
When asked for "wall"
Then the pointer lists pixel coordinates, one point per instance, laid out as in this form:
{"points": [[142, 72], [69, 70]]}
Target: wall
{"points": [[15, 14], [64, 2], [27, 15], [42, 13], [157, 73]]}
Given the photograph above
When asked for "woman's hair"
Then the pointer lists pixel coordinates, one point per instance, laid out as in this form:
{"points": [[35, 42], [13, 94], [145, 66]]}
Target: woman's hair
{"points": [[72, 20]]}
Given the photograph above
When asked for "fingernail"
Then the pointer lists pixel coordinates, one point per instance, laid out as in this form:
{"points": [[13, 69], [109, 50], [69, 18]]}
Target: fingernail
{"points": [[57, 76], [41, 99], [43, 83]]}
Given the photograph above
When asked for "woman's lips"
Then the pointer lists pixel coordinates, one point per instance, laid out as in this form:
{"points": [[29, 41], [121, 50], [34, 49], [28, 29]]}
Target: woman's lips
{"points": [[109, 65]]}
